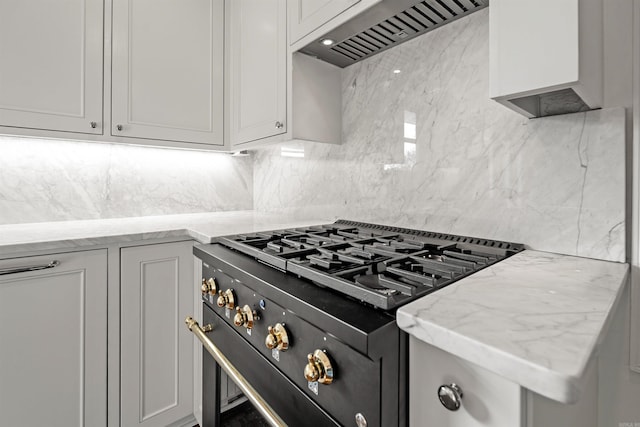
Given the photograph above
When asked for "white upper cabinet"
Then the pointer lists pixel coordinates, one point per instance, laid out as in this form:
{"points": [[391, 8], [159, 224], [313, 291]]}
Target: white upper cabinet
{"points": [[167, 71], [204, 74], [546, 55], [51, 65], [277, 95], [309, 20], [257, 69], [313, 107], [316, 100], [307, 15]]}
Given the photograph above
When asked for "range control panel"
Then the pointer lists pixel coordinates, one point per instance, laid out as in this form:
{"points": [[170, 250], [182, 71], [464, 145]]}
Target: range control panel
{"points": [[324, 368]]}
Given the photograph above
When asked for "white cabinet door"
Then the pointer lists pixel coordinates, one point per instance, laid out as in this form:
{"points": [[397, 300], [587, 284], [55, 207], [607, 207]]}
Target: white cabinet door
{"points": [[53, 341], [156, 348], [258, 73], [307, 15], [167, 71], [487, 399], [51, 64]]}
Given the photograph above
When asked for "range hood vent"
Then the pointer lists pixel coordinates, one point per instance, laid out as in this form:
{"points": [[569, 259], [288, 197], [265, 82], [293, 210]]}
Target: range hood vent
{"points": [[387, 24]]}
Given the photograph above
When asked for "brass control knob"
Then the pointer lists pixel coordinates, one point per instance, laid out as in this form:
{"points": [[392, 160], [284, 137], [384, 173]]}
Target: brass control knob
{"points": [[209, 286], [245, 316], [226, 299], [277, 337], [318, 368]]}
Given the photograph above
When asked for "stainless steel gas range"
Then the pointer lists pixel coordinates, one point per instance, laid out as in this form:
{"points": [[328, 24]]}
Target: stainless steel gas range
{"points": [[304, 319]]}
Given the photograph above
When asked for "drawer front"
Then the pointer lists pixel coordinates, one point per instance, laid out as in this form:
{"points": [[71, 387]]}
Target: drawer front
{"points": [[487, 399]]}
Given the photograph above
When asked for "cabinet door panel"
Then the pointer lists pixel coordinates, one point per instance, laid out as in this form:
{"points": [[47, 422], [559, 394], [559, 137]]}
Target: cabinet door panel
{"points": [[168, 70], [51, 59], [53, 342], [156, 347], [258, 69]]}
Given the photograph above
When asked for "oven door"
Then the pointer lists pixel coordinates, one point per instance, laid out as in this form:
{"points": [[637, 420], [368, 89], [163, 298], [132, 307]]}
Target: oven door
{"points": [[277, 398]]}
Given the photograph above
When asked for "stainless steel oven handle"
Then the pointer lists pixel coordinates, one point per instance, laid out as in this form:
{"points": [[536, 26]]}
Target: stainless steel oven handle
{"points": [[257, 400], [14, 270]]}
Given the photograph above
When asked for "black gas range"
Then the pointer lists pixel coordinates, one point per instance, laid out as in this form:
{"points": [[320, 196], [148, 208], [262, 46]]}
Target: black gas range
{"points": [[307, 315]]}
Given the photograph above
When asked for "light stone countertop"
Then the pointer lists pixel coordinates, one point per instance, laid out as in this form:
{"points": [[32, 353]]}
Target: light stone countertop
{"points": [[536, 319], [203, 227]]}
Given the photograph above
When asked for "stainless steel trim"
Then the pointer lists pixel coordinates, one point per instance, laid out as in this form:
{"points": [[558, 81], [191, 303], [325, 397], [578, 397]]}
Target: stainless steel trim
{"points": [[261, 405], [14, 270]]}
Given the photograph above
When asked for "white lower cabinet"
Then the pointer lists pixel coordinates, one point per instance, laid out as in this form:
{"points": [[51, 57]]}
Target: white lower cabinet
{"points": [[53, 340], [156, 349], [488, 400]]}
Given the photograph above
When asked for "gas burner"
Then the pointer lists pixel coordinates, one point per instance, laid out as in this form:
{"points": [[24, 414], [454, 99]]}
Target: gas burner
{"points": [[379, 265]]}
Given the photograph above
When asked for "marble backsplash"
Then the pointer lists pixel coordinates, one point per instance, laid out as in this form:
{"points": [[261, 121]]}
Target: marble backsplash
{"points": [[424, 147], [50, 180]]}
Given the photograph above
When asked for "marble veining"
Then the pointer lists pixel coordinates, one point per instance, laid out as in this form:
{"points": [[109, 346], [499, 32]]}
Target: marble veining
{"points": [[535, 318], [424, 147], [52, 180]]}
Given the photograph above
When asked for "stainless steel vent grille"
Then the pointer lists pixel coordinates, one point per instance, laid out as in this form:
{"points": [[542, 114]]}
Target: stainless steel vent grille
{"points": [[412, 21]]}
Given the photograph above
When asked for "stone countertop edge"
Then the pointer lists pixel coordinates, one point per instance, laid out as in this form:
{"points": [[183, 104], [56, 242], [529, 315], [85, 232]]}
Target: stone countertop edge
{"points": [[536, 319]]}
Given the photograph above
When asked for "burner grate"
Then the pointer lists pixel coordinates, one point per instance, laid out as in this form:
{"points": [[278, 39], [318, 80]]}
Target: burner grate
{"points": [[380, 265]]}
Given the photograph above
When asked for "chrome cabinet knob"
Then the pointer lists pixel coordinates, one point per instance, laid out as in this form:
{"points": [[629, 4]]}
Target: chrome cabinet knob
{"points": [[279, 125], [119, 127], [450, 396], [93, 125]]}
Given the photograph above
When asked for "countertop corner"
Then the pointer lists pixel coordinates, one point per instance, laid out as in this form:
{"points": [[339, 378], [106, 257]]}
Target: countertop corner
{"points": [[535, 318]]}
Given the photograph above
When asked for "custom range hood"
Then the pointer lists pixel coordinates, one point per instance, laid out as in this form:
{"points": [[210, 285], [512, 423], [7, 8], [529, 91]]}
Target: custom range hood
{"points": [[386, 25]]}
